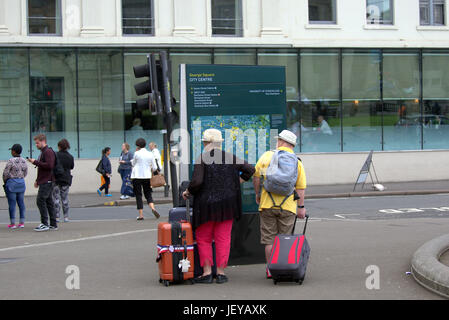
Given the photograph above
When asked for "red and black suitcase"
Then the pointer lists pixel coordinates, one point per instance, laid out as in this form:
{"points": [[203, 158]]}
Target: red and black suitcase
{"points": [[175, 244], [289, 257]]}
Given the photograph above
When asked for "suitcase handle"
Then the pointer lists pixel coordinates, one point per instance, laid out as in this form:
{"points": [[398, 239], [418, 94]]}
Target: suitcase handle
{"points": [[305, 225], [188, 210]]}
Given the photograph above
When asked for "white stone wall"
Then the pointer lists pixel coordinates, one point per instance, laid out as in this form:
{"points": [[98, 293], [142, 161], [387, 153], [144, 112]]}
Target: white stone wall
{"points": [[266, 23], [321, 169]]}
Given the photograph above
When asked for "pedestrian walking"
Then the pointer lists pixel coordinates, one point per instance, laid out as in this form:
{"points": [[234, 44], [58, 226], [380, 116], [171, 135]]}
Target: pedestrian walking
{"points": [[63, 179], [283, 190], [14, 174], [215, 186], [157, 156], [125, 169], [45, 182], [106, 172], [143, 165]]}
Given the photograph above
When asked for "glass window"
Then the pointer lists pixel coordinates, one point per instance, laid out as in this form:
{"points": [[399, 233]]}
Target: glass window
{"points": [[379, 11], [44, 17], [320, 101], [362, 107], [289, 59], [14, 98], [101, 114], [139, 123], [235, 56], [227, 18], [436, 99], [401, 109], [53, 96], [431, 12], [137, 17], [322, 11]]}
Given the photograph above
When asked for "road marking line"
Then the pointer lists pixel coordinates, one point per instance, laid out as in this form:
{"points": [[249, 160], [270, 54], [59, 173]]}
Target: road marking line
{"points": [[339, 216], [111, 235]]}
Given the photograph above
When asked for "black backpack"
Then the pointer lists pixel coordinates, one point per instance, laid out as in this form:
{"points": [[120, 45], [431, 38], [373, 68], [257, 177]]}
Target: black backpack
{"points": [[58, 170]]}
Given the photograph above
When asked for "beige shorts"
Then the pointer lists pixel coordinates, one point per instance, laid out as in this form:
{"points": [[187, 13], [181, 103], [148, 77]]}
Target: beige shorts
{"points": [[274, 222]]}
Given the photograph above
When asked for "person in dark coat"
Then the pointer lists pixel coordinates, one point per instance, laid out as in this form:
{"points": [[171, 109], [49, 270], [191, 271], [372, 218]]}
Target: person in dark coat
{"points": [[63, 179], [215, 185], [106, 164]]}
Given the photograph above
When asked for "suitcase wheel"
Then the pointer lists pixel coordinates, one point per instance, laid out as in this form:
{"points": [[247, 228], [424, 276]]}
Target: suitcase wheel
{"points": [[299, 281], [166, 283], [192, 281], [275, 281]]}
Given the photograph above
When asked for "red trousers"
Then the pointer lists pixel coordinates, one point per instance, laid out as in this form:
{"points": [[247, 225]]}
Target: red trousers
{"points": [[220, 232]]}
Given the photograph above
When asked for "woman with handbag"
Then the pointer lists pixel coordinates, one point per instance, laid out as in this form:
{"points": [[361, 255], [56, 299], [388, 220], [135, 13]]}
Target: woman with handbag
{"points": [[125, 169], [106, 172], [14, 185], [143, 164]]}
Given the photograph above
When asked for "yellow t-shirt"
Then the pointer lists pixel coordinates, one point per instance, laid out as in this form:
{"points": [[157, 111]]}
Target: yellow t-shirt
{"points": [[265, 200]]}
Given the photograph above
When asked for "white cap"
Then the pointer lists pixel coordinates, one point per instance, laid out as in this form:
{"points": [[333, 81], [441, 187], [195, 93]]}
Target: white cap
{"points": [[288, 136], [212, 135]]}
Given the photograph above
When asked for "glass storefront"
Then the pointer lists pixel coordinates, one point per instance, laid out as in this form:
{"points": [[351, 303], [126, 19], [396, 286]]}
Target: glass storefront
{"points": [[339, 100], [320, 101]]}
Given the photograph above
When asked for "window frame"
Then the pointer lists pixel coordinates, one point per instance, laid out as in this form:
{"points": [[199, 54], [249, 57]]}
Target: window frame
{"points": [[58, 20], [381, 22], [430, 6], [152, 19], [324, 22], [240, 30]]}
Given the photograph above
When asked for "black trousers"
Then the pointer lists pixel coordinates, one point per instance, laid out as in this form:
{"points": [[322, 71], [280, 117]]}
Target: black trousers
{"points": [[44, 202], [138, 185], [106, 184]]}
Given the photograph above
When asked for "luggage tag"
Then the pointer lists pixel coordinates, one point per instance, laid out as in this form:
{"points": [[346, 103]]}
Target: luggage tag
{"points": [[184, 265]]}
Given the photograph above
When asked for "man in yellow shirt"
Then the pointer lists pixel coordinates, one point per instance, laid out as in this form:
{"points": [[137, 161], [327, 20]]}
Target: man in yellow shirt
{"points": [[275, 220]]}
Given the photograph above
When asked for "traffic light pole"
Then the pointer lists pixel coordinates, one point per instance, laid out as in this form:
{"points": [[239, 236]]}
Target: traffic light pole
{"points": [[169, 123]]}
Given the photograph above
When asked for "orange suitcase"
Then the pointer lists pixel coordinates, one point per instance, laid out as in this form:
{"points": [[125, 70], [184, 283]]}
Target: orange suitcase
{"points": [[175, 244]]}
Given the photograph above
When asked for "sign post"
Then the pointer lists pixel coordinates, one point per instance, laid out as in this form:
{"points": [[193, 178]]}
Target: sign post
{"points": [[366, 170]]}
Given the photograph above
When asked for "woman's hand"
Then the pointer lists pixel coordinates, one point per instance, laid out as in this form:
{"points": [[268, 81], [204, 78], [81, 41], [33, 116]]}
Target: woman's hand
{"points": [[186, 194]]}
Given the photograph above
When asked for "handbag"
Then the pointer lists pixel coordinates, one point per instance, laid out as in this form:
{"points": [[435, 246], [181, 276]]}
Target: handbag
{"points": [[158, 181], [99, 167]]}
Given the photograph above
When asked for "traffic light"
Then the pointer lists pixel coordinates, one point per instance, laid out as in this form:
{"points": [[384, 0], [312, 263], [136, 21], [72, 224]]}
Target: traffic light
{"points": [[153, 100]]}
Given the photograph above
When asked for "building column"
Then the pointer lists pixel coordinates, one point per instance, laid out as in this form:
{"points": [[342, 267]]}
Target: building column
{"points": [[92, 18], [271, 19], [252, 17], [183, 18], [4, 31], [163, 13]]}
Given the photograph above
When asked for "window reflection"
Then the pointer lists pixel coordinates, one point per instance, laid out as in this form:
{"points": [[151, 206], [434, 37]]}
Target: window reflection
{"points": [[320, 101], [401, 109]]}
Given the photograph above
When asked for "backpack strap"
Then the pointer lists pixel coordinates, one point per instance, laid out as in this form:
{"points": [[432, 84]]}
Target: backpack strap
{"points": [[274, 202]]}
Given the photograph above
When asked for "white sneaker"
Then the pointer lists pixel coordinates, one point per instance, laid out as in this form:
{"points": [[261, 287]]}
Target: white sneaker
{"points": [[41, 227], [66, 220], [123, 198]]}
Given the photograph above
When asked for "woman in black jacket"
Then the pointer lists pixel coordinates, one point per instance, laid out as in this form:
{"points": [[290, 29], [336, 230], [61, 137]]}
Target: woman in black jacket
{"points": [[216, 187], [63, 178]]}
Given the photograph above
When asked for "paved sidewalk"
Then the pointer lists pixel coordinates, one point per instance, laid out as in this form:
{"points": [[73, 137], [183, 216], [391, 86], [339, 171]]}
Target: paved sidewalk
{"points": [[313, 192]]}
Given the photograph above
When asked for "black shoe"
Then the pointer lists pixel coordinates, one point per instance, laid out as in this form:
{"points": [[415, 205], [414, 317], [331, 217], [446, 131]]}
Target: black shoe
{"points": [[221, 278], [204, 279], [156, 214]]}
